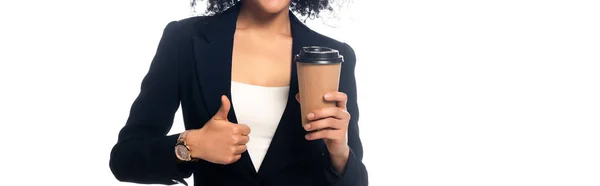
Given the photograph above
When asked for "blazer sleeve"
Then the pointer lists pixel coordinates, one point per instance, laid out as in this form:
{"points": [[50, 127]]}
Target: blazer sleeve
{"points": [[355, 173], [144, 153]]}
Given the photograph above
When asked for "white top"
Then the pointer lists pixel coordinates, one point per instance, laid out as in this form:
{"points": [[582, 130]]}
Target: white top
{"points": [[260, 108]]}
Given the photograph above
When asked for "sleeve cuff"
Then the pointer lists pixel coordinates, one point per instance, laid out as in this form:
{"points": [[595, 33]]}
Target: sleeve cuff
{"points": [[333, 176], [178, 170]]}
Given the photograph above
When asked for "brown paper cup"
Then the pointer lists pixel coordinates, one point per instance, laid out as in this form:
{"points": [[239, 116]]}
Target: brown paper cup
{"points": [[318, 70]]}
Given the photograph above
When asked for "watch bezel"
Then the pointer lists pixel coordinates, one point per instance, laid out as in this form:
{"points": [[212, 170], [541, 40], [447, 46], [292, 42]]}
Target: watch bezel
{"points": [[182, 148]]}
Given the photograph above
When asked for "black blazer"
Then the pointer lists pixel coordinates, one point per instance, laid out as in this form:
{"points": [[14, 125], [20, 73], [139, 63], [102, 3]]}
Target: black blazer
{"points": [[192, 66]]}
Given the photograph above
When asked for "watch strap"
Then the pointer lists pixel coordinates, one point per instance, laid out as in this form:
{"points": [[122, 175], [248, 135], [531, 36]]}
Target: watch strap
{"points": [[181, 138]]}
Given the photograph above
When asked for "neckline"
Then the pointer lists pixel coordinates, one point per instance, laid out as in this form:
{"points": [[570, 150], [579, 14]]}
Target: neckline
{"points": [[258, 86]]}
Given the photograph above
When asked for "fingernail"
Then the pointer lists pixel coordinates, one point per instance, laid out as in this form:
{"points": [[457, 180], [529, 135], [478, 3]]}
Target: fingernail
{"points": [[307, 126], [327, 96], [307, 136], [311, 115]]}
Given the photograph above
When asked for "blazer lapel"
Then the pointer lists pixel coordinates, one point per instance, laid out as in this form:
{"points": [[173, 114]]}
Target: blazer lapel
{"points": [[213, 50]]}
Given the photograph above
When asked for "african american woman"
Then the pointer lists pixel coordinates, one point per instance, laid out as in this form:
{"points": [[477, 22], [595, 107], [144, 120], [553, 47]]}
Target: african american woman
{"points": [[243, 51]]}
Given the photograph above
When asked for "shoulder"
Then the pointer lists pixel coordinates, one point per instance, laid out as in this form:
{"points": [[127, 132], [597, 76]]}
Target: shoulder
{"points": [[185, 26]]}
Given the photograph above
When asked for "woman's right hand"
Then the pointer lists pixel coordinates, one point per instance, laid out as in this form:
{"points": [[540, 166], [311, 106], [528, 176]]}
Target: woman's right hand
{"points": [[219, 141]]}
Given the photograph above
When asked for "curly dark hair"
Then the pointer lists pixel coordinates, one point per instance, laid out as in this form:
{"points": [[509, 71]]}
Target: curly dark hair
{"points": [[308, 8]]}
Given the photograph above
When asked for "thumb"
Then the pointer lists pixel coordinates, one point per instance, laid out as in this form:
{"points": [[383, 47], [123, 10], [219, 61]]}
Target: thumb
{"points": [[224, 109]]}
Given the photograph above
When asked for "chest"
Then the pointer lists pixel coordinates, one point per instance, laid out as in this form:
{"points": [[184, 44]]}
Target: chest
{"points": [[262, 61]]}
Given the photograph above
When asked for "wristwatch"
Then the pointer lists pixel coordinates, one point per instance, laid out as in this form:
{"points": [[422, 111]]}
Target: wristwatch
{"points": [[182, 151]]}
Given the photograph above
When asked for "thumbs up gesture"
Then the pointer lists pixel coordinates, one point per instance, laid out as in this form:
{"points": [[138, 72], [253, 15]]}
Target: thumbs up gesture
{"points": [[219, 141]]}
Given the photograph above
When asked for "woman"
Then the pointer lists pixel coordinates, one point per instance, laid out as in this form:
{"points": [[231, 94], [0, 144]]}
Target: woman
{"points": [[244, 51]]}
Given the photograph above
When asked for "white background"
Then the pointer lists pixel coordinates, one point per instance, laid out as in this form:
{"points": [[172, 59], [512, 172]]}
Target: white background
{"points": [[469, 93]]}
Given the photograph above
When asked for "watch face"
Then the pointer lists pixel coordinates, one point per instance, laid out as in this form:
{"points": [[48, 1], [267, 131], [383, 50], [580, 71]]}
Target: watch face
{"points": [[182, 152]]}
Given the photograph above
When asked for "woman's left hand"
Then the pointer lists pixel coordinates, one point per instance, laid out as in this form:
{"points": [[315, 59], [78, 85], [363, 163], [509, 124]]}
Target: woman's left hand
{"points": [[331, 125]]}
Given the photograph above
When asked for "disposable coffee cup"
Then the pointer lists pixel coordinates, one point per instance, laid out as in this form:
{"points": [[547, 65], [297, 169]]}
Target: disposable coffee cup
{"points": [[318, 70]]}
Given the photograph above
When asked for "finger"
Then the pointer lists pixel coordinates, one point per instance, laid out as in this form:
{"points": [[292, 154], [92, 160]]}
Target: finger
{"points": [[241, 129], [339, 97], [233, 159], [240, 140], [239, 149], [322, 134], [298, 97], [237, 157], [224, 109], [327, 123], [328, 112]]}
